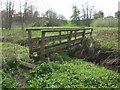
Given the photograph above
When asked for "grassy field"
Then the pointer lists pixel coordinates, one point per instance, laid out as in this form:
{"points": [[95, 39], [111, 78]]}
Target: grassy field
{"points": [[105, 28], [59, 71]]}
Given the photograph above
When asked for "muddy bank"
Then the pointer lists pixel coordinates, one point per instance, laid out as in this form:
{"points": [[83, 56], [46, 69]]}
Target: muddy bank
{"points": [[106, 57]]}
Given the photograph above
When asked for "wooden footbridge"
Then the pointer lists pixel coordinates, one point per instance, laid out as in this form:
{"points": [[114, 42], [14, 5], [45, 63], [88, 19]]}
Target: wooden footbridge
{"points": [[54, 39]]}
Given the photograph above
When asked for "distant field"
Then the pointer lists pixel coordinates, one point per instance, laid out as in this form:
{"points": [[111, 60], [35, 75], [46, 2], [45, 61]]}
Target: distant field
{"points": [[105, 28], [16, 34], [17, 31]]}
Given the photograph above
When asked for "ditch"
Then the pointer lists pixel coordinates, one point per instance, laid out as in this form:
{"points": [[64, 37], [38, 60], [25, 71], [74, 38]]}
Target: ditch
{"points": [[91, 51]]}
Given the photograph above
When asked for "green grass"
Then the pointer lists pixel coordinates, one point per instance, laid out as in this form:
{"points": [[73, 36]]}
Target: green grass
{"points": [[14, 50], [107, 38], [105, 28], [12, 55]]}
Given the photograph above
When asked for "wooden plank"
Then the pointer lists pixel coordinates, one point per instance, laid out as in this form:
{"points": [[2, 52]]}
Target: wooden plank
{"points": [[83, 36], [87, 33], [47, 29], [39, 29], [33, 29], [42, 52], [64, 29], [57, 30], [91, 32], [78, 34], [58, 37], [28, 65], [62, 46], [69, 38], [55, 48], [75, 35]]}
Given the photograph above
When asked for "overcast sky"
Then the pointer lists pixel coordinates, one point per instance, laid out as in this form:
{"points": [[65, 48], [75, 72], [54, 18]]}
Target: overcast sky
{"points": [[109, 7]]}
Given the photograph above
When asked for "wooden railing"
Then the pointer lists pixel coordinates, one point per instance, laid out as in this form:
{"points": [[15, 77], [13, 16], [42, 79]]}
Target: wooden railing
{"points": [[54, 39]]}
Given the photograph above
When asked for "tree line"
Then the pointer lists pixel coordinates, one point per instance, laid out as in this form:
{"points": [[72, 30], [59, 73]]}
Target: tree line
{"points": [[87, 15], [31, 17]]}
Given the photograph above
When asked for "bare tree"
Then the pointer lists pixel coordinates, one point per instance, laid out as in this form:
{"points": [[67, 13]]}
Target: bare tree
{"points": [[28, 13], [88, 12], [21, 18], [8, 15], [52, 17], [1, 15], [25, 13], [61, 20]]}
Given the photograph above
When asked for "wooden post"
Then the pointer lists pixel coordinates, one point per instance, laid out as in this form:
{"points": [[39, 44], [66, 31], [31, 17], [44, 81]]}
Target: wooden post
{"points": [[42, 49], [75, 37], [30, 43], [69, 39], [83, 35], [75, 34], [91, 32], [60, 36]]}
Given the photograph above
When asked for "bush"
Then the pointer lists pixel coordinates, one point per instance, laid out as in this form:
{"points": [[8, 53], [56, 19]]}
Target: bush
{"points": [[105, 22], [60, 57], [11, 62]]}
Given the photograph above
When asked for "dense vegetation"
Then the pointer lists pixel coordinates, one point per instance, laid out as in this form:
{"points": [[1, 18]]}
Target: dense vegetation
{"points": [[58, 71], [73, 74]]}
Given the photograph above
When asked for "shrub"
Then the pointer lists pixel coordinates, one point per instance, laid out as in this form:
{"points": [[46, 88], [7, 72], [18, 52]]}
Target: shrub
{"points": [[60, 57], [11, 62], [105, 22]]}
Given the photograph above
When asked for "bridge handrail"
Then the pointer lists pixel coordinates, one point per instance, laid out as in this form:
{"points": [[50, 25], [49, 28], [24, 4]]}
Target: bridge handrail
{"points": [[76, 33]]}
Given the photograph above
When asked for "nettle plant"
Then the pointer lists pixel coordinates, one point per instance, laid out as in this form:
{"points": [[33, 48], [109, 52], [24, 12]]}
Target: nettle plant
{"points": [[75, 73]]}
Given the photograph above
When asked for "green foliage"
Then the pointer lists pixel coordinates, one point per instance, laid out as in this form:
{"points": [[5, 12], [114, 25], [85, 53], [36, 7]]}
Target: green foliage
{"points": [[107, 39], [99, 14], [8, 82], [14, 51], [12, 72], [72, 74], [44, 68], [117, 14], [105, 22], [75, 16], [61, 72], [40, 22], [11, 62], [60, 57], [105, 28]]}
